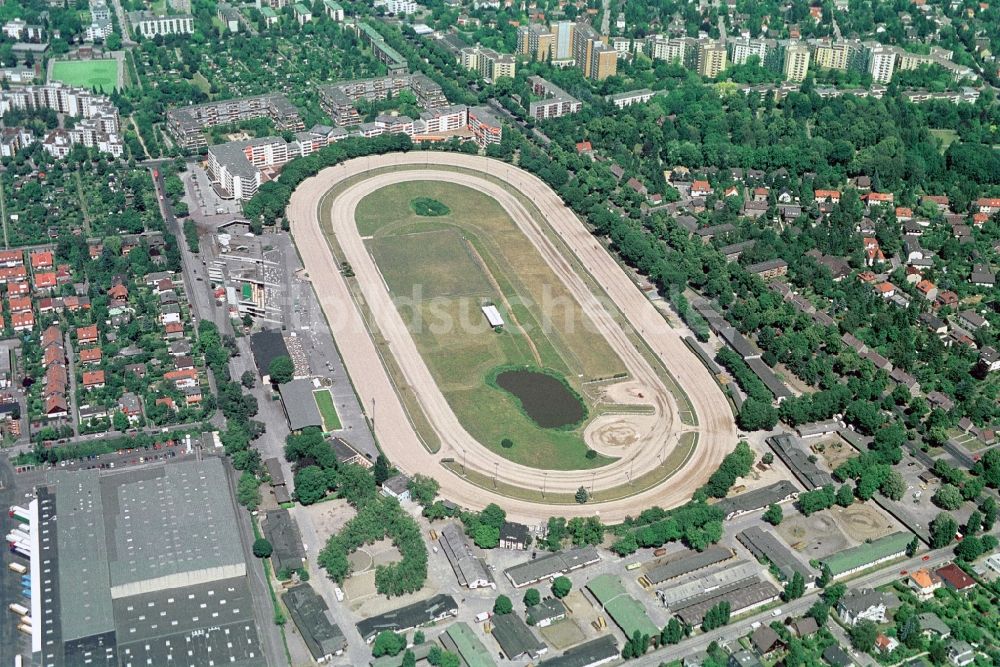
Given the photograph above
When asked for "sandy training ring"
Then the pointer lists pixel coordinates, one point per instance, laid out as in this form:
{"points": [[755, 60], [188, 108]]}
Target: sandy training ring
{"points": [[641, 441]]}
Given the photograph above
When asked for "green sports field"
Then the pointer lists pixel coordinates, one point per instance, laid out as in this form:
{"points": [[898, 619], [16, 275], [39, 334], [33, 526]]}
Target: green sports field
{"points": [[440, 270], [93, 74]]}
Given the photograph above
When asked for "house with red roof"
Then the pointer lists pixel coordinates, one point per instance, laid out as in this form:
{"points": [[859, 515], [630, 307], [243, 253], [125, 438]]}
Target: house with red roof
{"points": [[904, 213], [19, 304], [946, 298], [12, 274], [879, 198], [174, 330], [167, 401], [955, 578], [701, 189], [23, 321], [18, 288], [119, 291], [584, 148], [86, 335], [187, 377], [827, 196], [11, 258], [885, 290], [45, 280], [988, 205], [91, 355], [42, 259], [93, 379], [927, 289], [873, 252]]}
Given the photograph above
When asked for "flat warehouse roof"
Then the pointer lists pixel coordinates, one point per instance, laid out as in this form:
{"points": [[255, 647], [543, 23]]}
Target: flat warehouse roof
{"points": [[763, 543], [758, 498], [625, 610], [687, 561], [551, 565]]}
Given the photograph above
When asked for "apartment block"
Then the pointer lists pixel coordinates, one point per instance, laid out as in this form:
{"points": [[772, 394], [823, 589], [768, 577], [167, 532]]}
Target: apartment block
{"points": [[840, 55], [711, 59], [881, 63], [672, 49], [603, 62], [187, 124], [333, 10], [389, 56], [556, 102], [627, 99], [535, 41], [338, 99], [592, 55], [485, 127], [562, 48], [740, 50], [490, 64], [236, 167], [149, 25], [796, 62]]}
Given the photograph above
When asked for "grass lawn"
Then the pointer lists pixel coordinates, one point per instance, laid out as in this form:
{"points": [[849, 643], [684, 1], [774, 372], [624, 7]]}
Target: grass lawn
{"points": [[441, 270], [93, 74], [327, 410], [947, 137]]}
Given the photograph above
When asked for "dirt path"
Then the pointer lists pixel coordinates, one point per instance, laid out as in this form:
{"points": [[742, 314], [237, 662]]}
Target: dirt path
{"points": [[717, 434]]}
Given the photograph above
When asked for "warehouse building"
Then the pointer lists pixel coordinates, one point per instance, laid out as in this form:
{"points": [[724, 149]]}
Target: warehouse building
{"points": [[311, 616], [300, 406], [765, 547], [282, 532], [687, 561], [516, 639], [742, 597], [758, 499], [623, 609], [411, 616], [590, 654], [869, 554], [787, 448], [551, 565], [463, 642], [677, 594], [469, 568], [154, 569]]}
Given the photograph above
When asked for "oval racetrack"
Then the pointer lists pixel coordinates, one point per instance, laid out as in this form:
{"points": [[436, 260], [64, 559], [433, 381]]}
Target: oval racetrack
{"points": [[396, 435]]}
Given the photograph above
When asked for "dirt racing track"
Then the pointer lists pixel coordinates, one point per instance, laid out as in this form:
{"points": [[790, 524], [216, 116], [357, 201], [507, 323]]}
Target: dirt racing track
{"points": [[395, 433]]}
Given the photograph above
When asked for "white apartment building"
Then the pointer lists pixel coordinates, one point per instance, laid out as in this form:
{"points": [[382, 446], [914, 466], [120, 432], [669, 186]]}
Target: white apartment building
{"points": [[796, 62], [149, 25], [673, 49], [740, 50], [236, 166], [563, 45], [882, 63], [398, 6]]}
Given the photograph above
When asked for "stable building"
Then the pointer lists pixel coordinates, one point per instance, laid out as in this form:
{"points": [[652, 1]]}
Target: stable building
{"points": [[469, 567], [311, 616]]}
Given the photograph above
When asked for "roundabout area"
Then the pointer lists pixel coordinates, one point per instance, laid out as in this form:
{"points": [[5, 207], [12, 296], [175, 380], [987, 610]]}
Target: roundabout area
{"points": [[575, 379]]}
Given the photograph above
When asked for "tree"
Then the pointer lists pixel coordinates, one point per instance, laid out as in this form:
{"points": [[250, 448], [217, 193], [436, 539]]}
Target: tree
{"points": [[581, 495], [248, 379], [310, 485], [409, 659], [757, 415], [388, 643], [281, 369], [819, 613], [262, 548], [845, 496], [943, 529], [119, 421], [795, 587], [418, 638], [673, 632], [493, 515], [381, 469], [423, 489], [486, 537], [561, 586], [912, 547], [948, 497], [248, 491], [502, 605], [863, 635], [825, 576], [532, 597], [893, 486], [773, 515], [767, 459]]}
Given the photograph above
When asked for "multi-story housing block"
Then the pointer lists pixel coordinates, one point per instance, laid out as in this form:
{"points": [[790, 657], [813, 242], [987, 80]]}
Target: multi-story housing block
{"points": [[557, 102], [187, 124], [149, 25]]}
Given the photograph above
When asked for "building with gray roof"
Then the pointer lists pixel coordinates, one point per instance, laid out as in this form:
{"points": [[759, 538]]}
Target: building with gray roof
{"points": [[767, 375], [590, 654], [792, 455], [766, 547], [283, 533], [516, 639], [687, 561], [758, 499], [468, 566], [742, 597], [157, 569], [546, 612], [675, 595], [311, 616], [300, 406], [411, 616], [551, 565], [266, 346]]}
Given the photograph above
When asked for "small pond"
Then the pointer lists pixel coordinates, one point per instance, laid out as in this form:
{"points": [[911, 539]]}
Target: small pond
{"points": [[546, 399]]}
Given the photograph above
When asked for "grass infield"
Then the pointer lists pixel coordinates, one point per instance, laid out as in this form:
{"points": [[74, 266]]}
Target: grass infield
{"points": [[92, 74]]}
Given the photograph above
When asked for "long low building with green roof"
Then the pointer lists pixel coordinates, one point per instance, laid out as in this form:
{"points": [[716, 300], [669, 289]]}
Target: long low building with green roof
{"points": [[460, 639], [849, 561], [623, 609]]}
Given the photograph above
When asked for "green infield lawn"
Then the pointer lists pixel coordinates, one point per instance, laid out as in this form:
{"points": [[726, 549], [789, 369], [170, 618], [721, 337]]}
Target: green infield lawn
{"points": [[93, 74], [441, 270], [327, 410]]}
